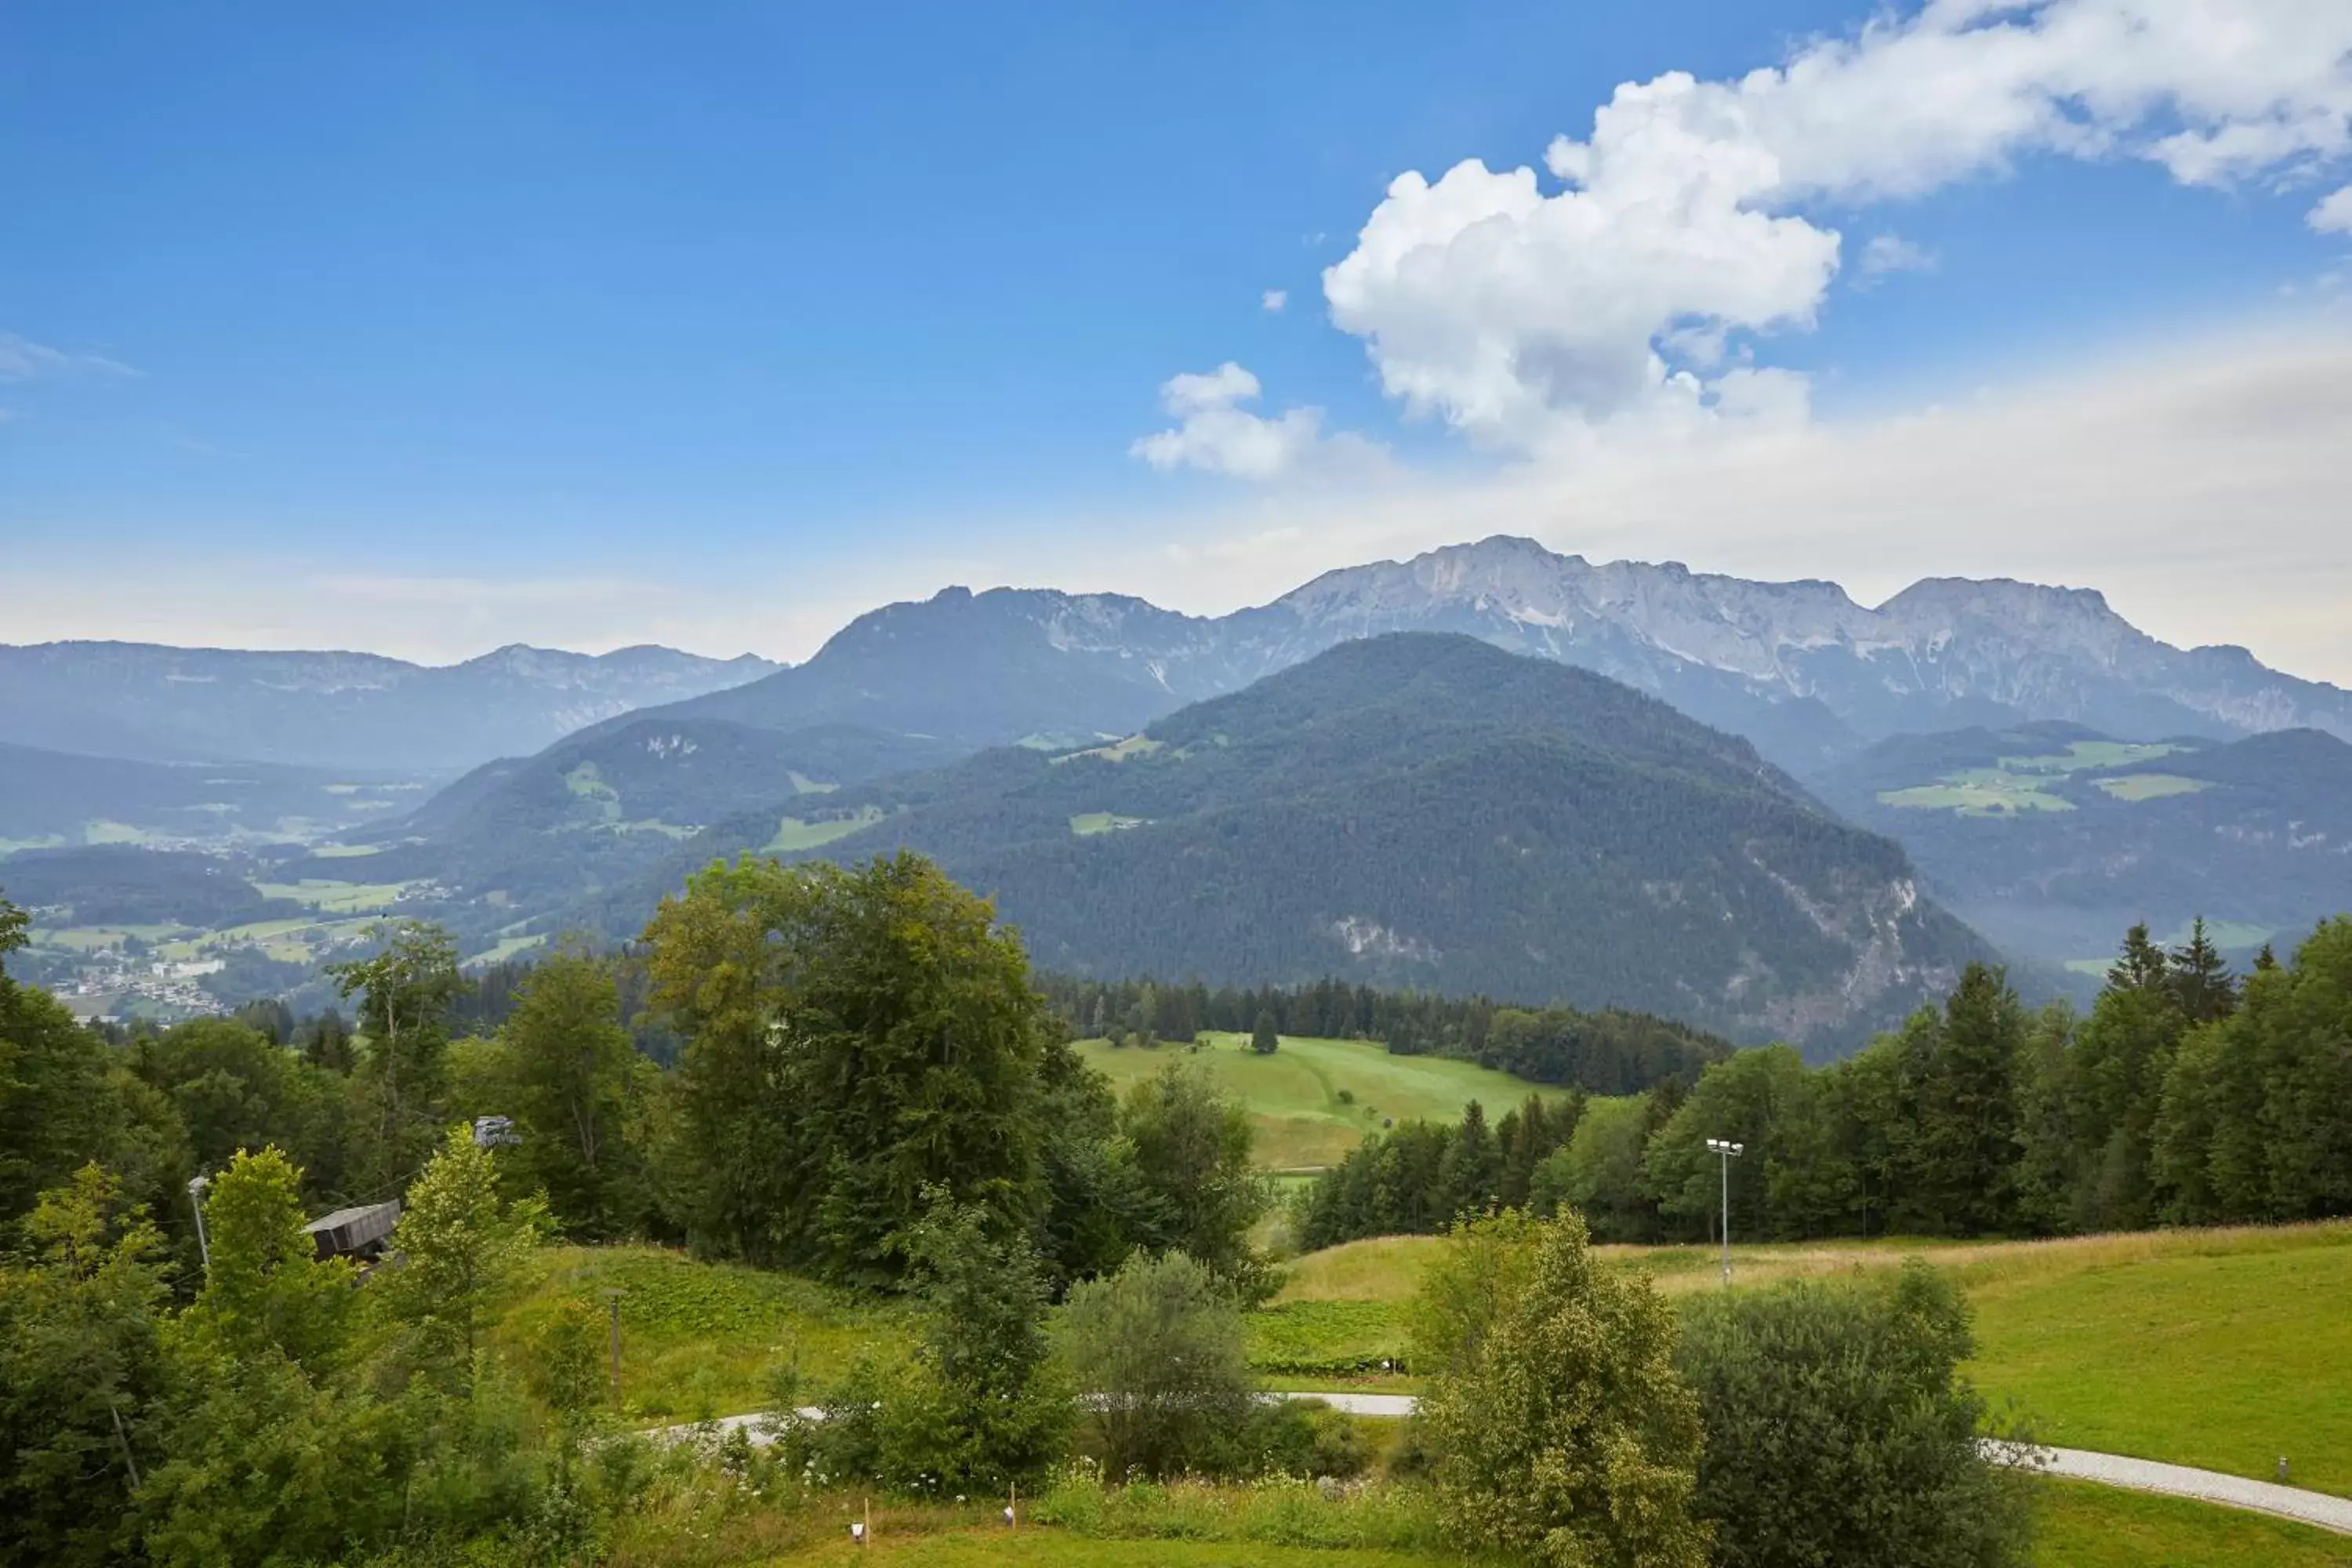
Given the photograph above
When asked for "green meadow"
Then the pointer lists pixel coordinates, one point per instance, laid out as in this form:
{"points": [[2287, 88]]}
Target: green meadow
{"points": [[1313, 1100]]}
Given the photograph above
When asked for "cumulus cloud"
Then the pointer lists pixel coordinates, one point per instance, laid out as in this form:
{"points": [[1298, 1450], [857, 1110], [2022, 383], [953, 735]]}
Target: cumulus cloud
{"points": [[1673, 237], [2334, 216], [1215, 434], [1273, 300]]}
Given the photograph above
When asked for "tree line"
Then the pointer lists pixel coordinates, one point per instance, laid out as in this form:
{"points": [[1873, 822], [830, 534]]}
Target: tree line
{"points": [[2186, 1094], [1611, 1051]]}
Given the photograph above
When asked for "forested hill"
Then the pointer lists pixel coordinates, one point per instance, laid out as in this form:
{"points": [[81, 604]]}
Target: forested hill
{"points": [[1427, 811]]}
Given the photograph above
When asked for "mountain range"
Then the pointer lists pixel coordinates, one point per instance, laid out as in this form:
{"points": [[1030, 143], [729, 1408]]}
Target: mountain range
{"points": [[1419, 810], [353, 711], [2053, 774], [1799, 668]]}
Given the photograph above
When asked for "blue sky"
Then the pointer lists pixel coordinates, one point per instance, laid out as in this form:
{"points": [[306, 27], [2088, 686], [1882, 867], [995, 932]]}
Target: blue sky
{"points": [[584, 323]]}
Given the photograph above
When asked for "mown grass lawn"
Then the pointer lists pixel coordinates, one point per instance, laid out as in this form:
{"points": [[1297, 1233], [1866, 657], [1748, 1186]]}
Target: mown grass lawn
{"points": [[1312, 1100], [2085, 1526]]}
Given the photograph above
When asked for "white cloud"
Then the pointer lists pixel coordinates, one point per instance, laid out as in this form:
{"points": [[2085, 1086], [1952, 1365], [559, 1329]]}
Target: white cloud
{"points": [[1512, 312], [1273, 300], [2334, 216], [1887, 253], [1215, 433], [21, 359]]}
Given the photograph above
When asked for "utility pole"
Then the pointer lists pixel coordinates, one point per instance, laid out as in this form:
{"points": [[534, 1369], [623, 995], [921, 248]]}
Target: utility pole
{"points": [[196, 1186], [1727, 1152]]}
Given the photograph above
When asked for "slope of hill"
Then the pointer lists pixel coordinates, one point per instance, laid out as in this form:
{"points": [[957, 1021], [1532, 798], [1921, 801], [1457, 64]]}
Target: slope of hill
{"points": [[339, 710], [2053, 839], [524, 833], [1799, 668], [56, 798], [1428, 811]]}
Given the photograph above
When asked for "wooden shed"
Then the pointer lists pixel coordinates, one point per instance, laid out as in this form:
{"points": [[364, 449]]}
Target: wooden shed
{"points": [[364, 1232]]}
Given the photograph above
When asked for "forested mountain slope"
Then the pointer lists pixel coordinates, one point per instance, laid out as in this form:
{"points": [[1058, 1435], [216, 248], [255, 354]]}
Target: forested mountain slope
{"points": [[524, 835], [1425, 811], [2049, 837]]}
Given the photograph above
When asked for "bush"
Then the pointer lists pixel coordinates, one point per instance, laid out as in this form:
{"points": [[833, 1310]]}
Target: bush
{"points": [[1158, 1348], [1838, 1429], [1563, 1435], [1307, 1438], [977, 1406]]}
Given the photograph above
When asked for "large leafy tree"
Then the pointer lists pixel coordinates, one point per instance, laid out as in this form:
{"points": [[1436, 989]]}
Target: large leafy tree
{"points": [[405, 990], [1563, 1432], [266, 1289], [81, 1372], [571, 1072], [459, 1243], [855, 1038], [1200, 1192]]}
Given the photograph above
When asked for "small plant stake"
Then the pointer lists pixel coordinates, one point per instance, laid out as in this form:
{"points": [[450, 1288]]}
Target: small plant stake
{"points": [[1012, 1508]]}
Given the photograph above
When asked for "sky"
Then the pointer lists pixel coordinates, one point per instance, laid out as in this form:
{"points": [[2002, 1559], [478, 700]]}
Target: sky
{"points": [[427, 330]]}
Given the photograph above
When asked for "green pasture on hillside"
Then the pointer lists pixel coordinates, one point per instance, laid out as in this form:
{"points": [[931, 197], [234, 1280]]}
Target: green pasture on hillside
{"points": [[1295, 1097], [701, 1338], [2223, 1349]]}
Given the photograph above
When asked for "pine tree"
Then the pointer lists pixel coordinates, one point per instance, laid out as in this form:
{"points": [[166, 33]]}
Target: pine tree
{"points": [[2141, 966], [1263, 1039], [2200, 979]]}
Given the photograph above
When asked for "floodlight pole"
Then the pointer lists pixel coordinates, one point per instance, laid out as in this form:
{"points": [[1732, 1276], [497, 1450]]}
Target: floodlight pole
{"points": [[1725, 1153], [196, 1186]]}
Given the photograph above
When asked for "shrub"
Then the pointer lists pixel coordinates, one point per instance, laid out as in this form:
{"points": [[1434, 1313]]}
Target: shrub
{"points": [[1158, 1348], [1562, 1433], [1838, 1429]]}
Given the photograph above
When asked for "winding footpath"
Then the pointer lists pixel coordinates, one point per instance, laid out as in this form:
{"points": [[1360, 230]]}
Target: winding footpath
{"points": [[2304, 1507]]}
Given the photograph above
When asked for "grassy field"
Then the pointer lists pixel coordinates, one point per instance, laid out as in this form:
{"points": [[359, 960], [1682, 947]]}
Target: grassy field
{"points": [[794, 833], [2085, 1526], [1313, 1100], [1978, 792], [336, 898], [2079, 1527], [700, 1339], [2150, 786], [2223, 1348]]}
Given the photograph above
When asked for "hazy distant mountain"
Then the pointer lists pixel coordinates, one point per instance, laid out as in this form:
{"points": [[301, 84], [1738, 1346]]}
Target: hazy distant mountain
{"points": [[58, 798], [1799, 668], [2053, 839], [349, 710], [983, 669], [1425, 811]]}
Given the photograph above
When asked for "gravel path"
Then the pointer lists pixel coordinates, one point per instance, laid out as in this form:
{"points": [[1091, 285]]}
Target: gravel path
{"points": [[2071, 1464]]}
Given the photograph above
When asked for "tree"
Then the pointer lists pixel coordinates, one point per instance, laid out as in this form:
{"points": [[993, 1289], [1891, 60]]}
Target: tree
{"points": [[1563, 1432], [81, 1372], [458, 1243], [1263, 1039], [1959, 1174], [1471, 1168], [1200, 1192], [569, 1070], [267, 1290], [2199, 978], [405, 993], [978, 1406], [854, 1036], [1839, 1430], [1159, 1347]]}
